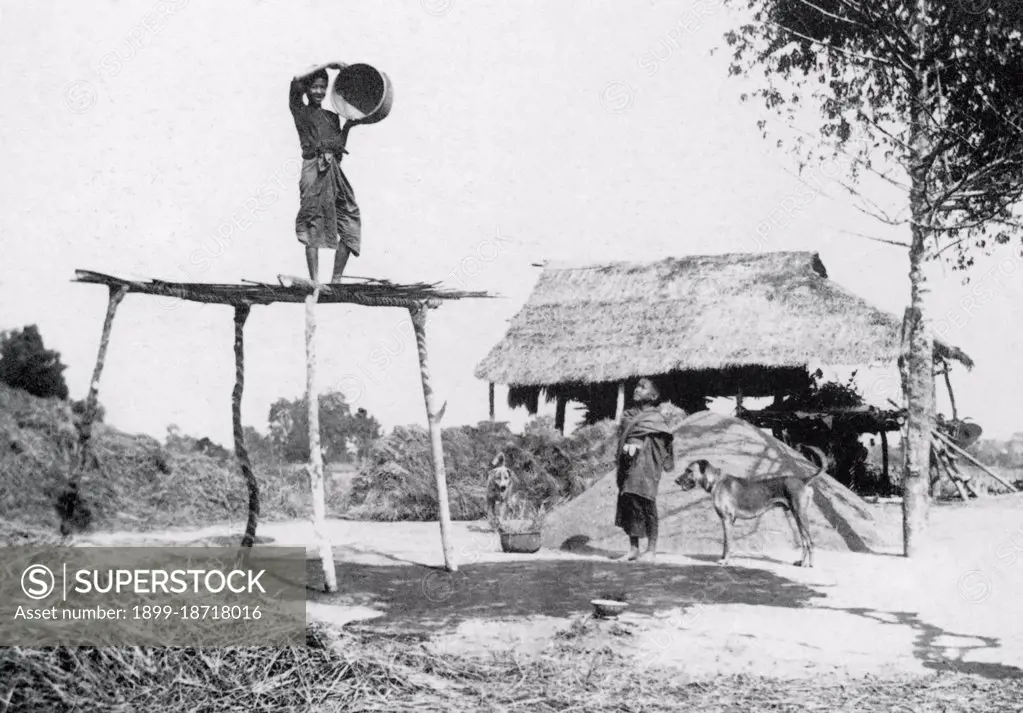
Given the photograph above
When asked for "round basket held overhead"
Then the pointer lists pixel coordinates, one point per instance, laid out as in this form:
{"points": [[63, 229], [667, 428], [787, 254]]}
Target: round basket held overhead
{"points": [[361, 94]]}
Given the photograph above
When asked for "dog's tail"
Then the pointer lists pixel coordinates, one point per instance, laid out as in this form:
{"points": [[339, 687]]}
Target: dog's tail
{"points": [[824, 463]]}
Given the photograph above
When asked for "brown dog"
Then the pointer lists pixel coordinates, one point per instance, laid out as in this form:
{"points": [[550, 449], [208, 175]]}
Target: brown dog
{"points": [[499, 489], [748, 499]]}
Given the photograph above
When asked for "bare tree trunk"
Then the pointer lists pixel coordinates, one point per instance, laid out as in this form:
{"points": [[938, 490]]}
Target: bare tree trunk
{"points": [[918, 383]]}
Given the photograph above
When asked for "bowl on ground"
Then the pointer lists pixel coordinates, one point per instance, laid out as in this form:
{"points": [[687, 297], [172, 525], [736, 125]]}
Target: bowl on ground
{"points": [[607, 608]]}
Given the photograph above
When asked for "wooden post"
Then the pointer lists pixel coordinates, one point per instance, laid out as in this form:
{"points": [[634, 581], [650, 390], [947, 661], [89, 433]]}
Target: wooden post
{"points": [[241, 313], [939, 464], [315, 456], [418, 315], [884, 455], [620, 404], [491, 396], [116, 294], [951, 395], [948, 442], [738, 402], [559, 414]]}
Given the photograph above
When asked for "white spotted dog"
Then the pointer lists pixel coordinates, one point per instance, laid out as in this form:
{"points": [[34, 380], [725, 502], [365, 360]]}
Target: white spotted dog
{"points": [[499, 490]]}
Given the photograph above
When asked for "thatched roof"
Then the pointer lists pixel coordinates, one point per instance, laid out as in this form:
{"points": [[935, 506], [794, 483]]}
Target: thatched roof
{"points": [[615, 321]]}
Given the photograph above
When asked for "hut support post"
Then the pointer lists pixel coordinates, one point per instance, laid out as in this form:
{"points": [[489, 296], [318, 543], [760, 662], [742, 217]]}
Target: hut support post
{"points": [[315, 455], [418, 315], [490, 394], [884, 454], [620, 403], [241, 314], [85, 426], [559, 413]]}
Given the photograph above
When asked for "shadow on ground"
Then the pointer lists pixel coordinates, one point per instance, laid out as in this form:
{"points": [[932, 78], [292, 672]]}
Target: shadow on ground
{"points": [[427, 600], [941, 650]]}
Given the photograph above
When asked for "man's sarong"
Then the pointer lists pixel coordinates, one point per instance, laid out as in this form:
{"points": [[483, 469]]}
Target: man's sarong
{"points": [[636, 515], [328, 214]]}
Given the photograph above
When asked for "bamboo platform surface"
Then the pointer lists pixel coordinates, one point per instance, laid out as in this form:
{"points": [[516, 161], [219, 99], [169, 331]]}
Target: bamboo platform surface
{"points": [[365, 291]]}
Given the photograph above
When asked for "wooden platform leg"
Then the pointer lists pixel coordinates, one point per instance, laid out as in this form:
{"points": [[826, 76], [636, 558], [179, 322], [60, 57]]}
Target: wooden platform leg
{"points": [[418, 314], [620, 403], [315, 455], [85, 425], [241, 313], [491, 397]]}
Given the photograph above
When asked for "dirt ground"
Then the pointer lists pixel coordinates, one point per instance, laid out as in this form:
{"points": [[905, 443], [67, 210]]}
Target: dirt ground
{"points": [[852, 614]]}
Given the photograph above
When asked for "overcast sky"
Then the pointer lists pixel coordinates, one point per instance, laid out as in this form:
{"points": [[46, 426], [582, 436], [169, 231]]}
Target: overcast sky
{"points": [[153, 140]]}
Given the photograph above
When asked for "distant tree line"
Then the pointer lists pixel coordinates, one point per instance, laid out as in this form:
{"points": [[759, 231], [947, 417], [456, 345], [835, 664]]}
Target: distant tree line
{"points": [[345, 436]]}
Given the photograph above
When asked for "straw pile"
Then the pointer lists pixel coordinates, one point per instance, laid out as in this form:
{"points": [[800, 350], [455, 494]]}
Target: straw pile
{"points": [[399, 482], [839, 519], [137, 485], [398, 673]]}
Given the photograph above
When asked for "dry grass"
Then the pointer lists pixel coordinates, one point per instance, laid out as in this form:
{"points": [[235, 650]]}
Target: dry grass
{"points": [[352, 672], [524, 516]]}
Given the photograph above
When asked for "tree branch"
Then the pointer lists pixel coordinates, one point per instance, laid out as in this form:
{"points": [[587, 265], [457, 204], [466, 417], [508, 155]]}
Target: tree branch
{"points": [[846, 52]]}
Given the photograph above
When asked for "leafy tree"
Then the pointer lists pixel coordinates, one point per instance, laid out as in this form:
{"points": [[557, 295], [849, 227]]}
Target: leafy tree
{"points": [[932, 88], [339, 427], [363, 430], [25, 363], [260, 447]]}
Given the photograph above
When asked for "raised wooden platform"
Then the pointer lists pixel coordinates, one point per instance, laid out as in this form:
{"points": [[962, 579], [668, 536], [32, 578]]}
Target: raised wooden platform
{"points": [[363, 291], [417, 299]]}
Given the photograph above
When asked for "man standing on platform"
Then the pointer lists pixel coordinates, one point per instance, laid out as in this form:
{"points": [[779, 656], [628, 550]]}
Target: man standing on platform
{"points": [[645, 450], [328, 215]]}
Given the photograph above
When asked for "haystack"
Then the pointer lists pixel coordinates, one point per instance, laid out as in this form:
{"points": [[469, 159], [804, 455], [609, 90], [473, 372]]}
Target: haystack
{"points": [[839, 519]]}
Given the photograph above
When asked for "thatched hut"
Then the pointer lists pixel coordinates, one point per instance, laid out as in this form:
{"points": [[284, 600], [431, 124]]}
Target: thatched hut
{"points": [[732, 325]]}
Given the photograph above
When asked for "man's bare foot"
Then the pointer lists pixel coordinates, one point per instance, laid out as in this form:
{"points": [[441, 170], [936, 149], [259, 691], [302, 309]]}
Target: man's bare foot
{"points": [[648, 556]]}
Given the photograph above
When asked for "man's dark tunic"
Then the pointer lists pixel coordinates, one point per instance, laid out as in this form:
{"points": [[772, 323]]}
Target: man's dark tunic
{"points": [[639, 475], [328, 212]]}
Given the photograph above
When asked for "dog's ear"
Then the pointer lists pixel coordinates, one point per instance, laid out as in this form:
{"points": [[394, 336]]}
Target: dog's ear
{"points": [[703, 465], [498, 461]]}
